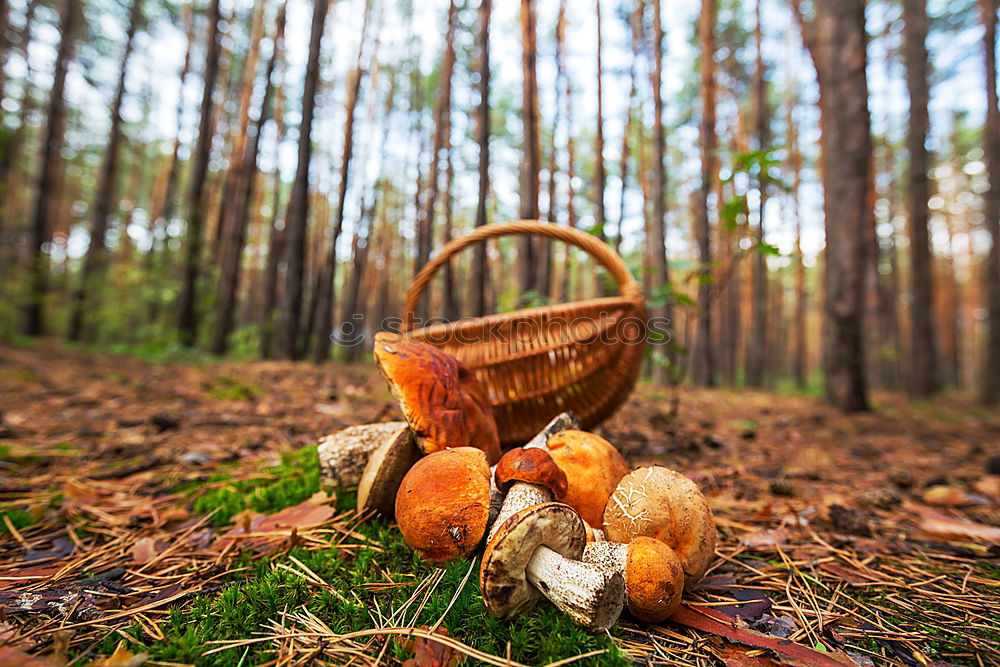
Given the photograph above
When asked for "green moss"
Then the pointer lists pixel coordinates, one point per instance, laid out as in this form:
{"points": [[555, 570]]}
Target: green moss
{"points": [[227, 388], [17, 516], [360, 589]]}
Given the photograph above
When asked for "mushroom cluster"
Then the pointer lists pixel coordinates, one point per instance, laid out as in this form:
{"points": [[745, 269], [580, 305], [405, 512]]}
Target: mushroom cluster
{"points": [[561, 518]]}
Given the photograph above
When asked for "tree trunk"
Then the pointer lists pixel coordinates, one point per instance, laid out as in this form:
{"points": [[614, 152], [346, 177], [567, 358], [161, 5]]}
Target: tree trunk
{"points": [[235, 227], [442, 124], [561, 75], [187, 327], [479, 275], [47, 193], [991, 148], [86, 297], [662, 310], [600, 177], [799, 335], [759, 315], [635, 23], [703, 370], [923, 348], [530, 147], [328, 274], [837, 43], [296, 220]]}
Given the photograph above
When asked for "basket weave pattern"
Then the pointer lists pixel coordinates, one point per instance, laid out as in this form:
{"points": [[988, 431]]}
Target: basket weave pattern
{"points": [[583, 357]]}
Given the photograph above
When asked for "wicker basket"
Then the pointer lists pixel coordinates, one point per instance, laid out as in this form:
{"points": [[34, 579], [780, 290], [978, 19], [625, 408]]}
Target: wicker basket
{"points": [[583, 357]]}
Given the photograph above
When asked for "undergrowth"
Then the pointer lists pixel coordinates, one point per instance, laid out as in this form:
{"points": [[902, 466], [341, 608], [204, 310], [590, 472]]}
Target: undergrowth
{"points": [[361, 579]]}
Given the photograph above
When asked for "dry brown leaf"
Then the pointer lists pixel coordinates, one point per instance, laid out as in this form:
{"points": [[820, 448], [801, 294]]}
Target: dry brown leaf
{"points": [[429, 653], [120, 658], [12, 656], [946, 527], [143, 551], [765, 539], [267, 532]]}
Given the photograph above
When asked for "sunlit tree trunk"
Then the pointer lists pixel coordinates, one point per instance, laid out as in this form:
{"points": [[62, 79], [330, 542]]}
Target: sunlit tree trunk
{"points": [[479, 273], [328, 274], [531, 147], [758, 314], [799, 335], [703, 363], [635, 23], [187, 325], [87, 295], [47, 192], [923, 347], [662, 309], [234, 230], [600, 176], [296, 221], [837, 41], [562, 76], [991, 210]]}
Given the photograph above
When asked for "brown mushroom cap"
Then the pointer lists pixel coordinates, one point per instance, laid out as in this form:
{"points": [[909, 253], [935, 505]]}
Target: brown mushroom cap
{"points": [[502, 576], [658, 502], [593, 467], [654, 580], [443, 402], [443, 504], [534, 466]]}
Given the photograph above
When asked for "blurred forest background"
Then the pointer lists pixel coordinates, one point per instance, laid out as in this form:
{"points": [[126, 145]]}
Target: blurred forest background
{"points": [[808, 189]]}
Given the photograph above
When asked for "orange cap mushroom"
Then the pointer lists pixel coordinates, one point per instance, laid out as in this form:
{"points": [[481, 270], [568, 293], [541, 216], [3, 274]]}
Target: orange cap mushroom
{"points": [[660, 503], [443, 402], [654, 578], [443, 504], [593, 467], [534, 466]]}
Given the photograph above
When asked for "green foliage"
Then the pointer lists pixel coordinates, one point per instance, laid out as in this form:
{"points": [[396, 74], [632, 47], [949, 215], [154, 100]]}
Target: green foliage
{"points": [[228, 388]]}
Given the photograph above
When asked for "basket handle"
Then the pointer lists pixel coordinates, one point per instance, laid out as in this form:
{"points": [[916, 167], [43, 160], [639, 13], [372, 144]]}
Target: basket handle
{"points": [[603, 253]]}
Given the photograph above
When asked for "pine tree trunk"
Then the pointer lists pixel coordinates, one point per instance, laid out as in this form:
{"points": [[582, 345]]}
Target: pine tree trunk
{"points": [[662, 311], [600, 177], [837, 43], [991, 148], [530, 147], [235, 227], [635, 23], [188, 317], [562, 76], [759, 315], [325, 297], [799, 335], [923, 348], [86, 297], [479, 272], [296, 220], [703, 370], [47, 192]]}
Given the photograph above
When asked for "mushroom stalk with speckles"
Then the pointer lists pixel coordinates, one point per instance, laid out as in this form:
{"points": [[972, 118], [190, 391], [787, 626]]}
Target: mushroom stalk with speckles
{"points": [[654, 578], [590, 596]]}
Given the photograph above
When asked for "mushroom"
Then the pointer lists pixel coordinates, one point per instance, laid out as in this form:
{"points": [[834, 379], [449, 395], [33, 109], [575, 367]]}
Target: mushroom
{"points": [[528, 476], [654, 578], [536, 552], [593, 467], [658, 502], [441, 399], [344, 454], [385, 470], [443, 504]]}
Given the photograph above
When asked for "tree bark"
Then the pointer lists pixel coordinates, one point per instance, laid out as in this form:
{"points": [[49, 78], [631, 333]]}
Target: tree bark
{"points": [[234, 229], [635, 23], [46, 194], [990, 392], [759, 315], [188, 319], [562, 76], [837, 42], [296, 221], [600, 176], [479, 273], [799, 335], [703, 363], [923, 347], [325, 298], [663, 308], [530, 147], [87, 295]]}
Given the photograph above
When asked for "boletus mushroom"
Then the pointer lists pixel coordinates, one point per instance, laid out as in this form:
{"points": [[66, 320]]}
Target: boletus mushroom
{"points": [[385, 470], [534, 553], [344, 454], [660, 503], [443, 504], [593, 467], [440, 397], [654, 578]]}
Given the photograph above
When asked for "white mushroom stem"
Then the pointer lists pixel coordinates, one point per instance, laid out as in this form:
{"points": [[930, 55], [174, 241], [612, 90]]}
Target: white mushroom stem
{"points": [[609, 556], [521, 496], [496, 500], [589, 595]]}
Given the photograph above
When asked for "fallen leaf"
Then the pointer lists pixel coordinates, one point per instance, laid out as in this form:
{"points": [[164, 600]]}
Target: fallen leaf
{"points": [[266, 533], [11, 656], [988, 486], [952, 496], [946, 527], [143, 551], [734, 655], [120, 658], [755, 604], [765, 539], [430, 653]]}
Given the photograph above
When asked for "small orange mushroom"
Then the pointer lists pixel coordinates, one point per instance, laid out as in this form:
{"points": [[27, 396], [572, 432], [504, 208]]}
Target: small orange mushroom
{"points": [[593, 467]]}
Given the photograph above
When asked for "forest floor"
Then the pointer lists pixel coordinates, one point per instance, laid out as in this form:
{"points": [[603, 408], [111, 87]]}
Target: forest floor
{"points": [[173, 512]]}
